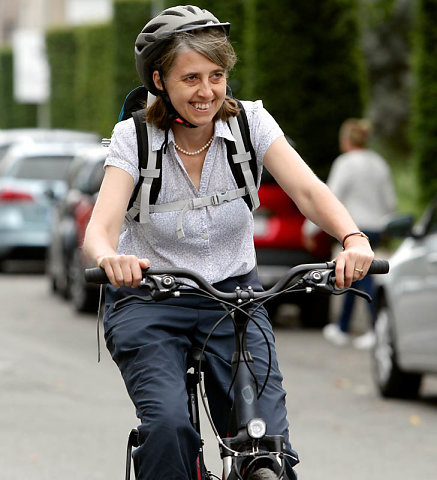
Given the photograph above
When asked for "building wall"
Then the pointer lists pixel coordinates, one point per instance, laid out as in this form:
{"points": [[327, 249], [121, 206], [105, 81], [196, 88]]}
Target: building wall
{"points": [[43, 13]]}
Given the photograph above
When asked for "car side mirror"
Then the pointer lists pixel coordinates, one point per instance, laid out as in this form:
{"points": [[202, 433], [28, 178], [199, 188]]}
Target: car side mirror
{"points": [[400, 225]]}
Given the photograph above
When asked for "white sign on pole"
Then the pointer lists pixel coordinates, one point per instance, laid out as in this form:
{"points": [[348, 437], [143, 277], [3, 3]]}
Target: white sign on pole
{"points": [[31, 69]]}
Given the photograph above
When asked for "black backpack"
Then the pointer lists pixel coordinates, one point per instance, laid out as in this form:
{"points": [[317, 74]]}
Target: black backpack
{"points": [[241, 158]]}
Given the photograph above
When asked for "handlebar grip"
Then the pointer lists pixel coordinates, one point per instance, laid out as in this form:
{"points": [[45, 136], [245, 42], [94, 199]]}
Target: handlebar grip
{"points": [[379, 266], [96, 275]]}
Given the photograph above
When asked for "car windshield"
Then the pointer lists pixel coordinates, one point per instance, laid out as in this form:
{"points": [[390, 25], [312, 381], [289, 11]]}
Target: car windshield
{"points": [[42, 168]]}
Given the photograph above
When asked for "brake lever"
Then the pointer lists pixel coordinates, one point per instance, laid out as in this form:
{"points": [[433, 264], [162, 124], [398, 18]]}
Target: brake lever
{"points": [[354, 291], [160, 287], [324, 281]]}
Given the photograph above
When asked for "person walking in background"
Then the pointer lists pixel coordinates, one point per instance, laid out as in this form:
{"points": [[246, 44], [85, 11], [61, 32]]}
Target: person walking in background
{"points": [[361, 179]]}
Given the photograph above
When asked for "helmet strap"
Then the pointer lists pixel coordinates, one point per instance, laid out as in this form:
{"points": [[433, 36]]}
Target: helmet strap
{"points": [[174, 116]]}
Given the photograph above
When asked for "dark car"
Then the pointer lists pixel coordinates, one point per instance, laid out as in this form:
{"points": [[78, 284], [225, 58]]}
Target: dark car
{"points": [[279, 246], [66, 260], [406, 301]]}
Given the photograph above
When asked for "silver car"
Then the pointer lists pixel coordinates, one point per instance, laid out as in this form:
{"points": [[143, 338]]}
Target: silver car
{"points": [[12, 136], [32, 179], [406, 325]]}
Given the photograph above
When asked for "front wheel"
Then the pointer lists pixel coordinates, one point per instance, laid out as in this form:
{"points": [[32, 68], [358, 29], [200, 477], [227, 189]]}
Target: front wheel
{"points": [[263, 474]]}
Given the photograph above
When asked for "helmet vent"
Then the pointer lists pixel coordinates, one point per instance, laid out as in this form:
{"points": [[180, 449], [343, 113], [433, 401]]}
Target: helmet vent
{"points": [[190, 8], [153, 28], [173, 12]]}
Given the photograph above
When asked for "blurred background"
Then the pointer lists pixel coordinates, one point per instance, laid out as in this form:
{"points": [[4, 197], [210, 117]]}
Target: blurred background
{"points": [[314, 64], [65, 69]]}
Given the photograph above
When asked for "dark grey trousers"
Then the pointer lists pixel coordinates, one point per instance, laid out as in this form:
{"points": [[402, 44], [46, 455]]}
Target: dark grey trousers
{"points": [[149, 342]]}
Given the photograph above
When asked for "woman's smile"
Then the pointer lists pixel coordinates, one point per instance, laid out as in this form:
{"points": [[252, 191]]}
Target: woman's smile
{"points": [[201, 106]]}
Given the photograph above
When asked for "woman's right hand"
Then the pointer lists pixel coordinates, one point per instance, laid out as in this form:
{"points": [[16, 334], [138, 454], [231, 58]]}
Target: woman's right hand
{"points": [[123, 270]]}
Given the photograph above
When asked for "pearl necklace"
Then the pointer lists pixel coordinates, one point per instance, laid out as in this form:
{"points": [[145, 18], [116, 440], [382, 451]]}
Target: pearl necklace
{"points": [[208, 143]]}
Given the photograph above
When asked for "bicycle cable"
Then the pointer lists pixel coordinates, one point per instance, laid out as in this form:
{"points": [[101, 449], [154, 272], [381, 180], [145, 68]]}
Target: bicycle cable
{"points": [[202, 293]]}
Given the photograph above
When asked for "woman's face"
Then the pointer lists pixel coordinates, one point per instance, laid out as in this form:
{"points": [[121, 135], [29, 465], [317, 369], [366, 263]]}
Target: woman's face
{"points": [[196, 87]]}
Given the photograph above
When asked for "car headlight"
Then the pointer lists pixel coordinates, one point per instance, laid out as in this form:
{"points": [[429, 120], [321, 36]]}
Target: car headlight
{"points": [[256, 428]]}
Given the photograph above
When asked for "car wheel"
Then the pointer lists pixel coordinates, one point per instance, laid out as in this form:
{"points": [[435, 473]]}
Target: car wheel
{"points": [[59, 284], [83, 298], [391, 381]]}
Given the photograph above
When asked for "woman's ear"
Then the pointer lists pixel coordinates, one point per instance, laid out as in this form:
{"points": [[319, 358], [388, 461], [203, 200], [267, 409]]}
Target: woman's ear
{"points": [[157, 80]]}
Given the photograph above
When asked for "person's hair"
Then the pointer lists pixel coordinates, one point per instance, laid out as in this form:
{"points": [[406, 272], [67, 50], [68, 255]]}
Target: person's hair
{"points": [[356, 131], [212, 44]]}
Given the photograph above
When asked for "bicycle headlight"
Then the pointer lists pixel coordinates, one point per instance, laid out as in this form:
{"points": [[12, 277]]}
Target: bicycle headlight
{"points": [[256, 428]]}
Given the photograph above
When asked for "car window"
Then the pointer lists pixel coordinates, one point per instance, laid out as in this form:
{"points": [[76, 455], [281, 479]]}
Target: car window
{"points": [[89, 177], [81, 178], [43, 168], [97, 177], [432, 226], [3, 150]]}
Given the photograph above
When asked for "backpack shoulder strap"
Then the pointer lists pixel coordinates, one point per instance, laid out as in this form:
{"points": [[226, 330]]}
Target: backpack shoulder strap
{"points": [[149, 163], [242, 158]]}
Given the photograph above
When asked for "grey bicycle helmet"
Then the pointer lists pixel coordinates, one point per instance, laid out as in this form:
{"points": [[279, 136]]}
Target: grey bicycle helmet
{"points": [[154, 35]]}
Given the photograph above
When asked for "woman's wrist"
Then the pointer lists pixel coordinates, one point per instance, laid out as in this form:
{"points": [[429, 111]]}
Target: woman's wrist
{"points": [[353, 234]]}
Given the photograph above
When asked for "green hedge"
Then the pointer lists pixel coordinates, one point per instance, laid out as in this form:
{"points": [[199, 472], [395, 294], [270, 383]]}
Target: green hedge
{"points": [[424, 132], [309, 72], [62, 57], [94, 84], [13, 114], [303, 61], [130, 16], [82, 83]]}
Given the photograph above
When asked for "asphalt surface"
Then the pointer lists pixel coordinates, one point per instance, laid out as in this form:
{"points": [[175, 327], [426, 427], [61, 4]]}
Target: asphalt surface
{"points": [[65, 416]]}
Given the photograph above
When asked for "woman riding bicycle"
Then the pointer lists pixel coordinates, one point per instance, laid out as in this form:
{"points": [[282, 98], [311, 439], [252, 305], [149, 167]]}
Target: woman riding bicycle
{"points": [[184, 56]]}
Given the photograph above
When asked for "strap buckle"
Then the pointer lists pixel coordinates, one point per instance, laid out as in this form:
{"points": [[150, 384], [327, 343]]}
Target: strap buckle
{"points": [[219, 198]]}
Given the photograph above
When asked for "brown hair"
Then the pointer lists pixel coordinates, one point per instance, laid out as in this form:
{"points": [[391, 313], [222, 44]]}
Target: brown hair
{"points": [[356, 131], [212, 44]]}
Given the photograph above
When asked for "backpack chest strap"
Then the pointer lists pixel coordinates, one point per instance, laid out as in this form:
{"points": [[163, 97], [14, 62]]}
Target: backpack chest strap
{"points": [[184, 205]]}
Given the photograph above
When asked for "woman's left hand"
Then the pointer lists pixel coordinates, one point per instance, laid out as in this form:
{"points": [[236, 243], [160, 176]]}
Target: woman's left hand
{"points": [[353, 262]]}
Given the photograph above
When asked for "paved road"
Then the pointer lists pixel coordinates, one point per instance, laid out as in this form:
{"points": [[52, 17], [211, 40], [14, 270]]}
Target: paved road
{"points": [[63, 416]]}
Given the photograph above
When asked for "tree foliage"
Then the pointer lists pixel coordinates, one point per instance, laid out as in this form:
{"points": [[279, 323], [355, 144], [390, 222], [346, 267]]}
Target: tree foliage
{"points": [[309, 72], [94, 79], [61, 51], [386, 42], [13, 113], [424, 130]]}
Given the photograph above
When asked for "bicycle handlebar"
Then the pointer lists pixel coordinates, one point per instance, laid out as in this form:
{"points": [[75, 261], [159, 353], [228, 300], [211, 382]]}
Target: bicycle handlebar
{"points": [[320, 278]]}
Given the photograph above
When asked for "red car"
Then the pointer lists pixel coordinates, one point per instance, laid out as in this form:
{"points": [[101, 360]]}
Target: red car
{"points": [[279, 245]]}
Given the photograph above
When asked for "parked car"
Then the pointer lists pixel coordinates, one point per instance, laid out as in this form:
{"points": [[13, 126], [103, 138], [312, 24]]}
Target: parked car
{"points": [[279, 246], [65, 259], [32, 180], [12, 136], [406, 302]]}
